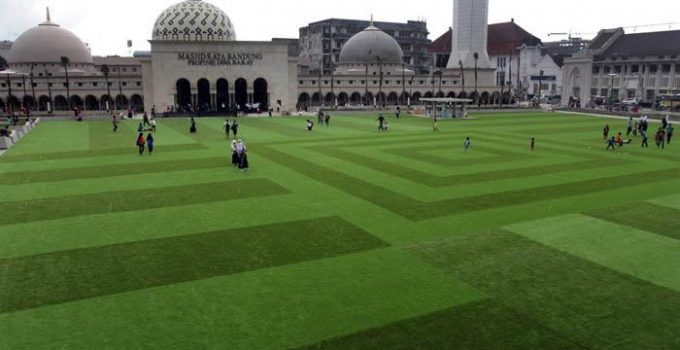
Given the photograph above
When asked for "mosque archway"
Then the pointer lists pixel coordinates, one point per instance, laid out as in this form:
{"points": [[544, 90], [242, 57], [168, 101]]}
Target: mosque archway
{"points": [[416, 97], [91, 103], [343, 98], [222, 96], [42, 102], [316, 99], [261, 93], [60, 103], [137, 102], [303, 100], [203, 98], [183, 87], [369, 99], [393, 98], [122, 102], [330, 99], [355, 99], [241, 92]]}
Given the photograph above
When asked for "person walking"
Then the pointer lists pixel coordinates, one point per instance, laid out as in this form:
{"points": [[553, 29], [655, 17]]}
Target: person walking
{"points": [[150, 143], [669, 133], [381, 123], [243, 164], [645, 139], [234, 153], [605, 132], [192, 128], [227, 128], [467, 145], [141, 143], [630, 126], [533, 144], [153, 124], [145, 120], [234, 128], [660, 139], [611, 144], [398, 113], [115, 122]]}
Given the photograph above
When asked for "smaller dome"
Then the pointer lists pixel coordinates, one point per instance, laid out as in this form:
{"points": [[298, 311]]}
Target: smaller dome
{"points": [[372, 45], [193, 20], [48, 43]]}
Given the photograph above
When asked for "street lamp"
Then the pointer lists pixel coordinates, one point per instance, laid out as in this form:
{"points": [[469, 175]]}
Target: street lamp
{"points": [[65, 62], [611, 90], [50, 103], [35, 102]]}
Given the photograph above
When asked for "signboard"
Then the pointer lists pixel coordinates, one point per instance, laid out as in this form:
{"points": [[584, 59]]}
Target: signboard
{"points": [[545, 78], [219, 58]]}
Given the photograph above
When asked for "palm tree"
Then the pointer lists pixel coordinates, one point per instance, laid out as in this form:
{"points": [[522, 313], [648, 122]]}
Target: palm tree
{"points": [[476, 57], [106, 71], [462, 74], [65, 62]]}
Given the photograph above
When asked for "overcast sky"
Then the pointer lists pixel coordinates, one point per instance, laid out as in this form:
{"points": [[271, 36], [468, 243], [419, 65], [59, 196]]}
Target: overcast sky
{"points": [[106, 25]]}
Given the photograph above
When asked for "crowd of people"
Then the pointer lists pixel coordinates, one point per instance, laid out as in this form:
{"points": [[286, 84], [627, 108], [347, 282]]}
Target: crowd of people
{"points": [[662, 137]]}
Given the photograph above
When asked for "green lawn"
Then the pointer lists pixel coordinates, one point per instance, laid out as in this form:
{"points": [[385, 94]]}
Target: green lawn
{"points": [[341, 238]]}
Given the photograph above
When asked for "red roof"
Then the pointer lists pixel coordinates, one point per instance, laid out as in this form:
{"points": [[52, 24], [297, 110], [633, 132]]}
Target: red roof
{"points": [[503, 39]]}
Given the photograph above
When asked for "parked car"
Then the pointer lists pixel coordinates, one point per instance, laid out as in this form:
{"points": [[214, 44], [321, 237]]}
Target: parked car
{"points": [[630, 102]]}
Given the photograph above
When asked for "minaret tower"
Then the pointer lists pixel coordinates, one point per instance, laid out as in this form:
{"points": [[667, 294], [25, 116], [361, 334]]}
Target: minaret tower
{"points": [[470, 31]]}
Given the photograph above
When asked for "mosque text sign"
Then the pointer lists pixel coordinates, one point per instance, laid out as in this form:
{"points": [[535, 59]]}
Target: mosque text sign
{"points": [[219, 58]]}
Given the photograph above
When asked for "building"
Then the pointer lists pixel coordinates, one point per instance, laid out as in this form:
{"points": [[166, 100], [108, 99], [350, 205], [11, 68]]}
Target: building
{"points": [[321, 42], [5, 47], [617, 65]]}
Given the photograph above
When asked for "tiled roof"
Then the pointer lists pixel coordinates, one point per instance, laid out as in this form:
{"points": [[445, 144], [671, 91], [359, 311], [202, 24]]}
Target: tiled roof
{"points": [[645, 44], [503, 38]]}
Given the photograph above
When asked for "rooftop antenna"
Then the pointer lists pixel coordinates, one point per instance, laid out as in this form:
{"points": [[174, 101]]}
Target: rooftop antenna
{"points": [[49, 18], [371, 20]]}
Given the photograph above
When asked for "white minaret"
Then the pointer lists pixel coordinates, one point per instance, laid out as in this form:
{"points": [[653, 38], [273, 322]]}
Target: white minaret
{"points": [[470, 31]]}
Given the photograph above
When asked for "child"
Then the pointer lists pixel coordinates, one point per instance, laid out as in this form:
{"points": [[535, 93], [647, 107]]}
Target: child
{"points": [[619, 140], [234, 153], [140, 143], [533, 144], [149, 143], [611, 144], [310, 125], [660, 139], [468, 144]]}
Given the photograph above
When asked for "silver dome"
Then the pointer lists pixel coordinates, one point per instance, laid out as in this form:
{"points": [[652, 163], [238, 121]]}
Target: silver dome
{"points": [[193, 20], [372, 45], [47, 43]]}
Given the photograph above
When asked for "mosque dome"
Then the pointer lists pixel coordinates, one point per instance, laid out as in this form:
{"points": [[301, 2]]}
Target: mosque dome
{"points": [[48, 43], [372, 45], [193, 20]]}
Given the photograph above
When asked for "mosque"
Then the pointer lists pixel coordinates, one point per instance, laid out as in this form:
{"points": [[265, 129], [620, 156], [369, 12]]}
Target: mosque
{"points": [[197, 63]]}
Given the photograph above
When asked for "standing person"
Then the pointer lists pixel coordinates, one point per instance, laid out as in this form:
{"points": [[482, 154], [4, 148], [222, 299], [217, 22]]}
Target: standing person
{"points": [[533, 144], [130, 113], [660, 139], [645, 139], [153, 124], [234, 153], [234, 128], [381, 121], [153, 112], [669, 133], [611, 144], [145, 120], [192, 128], [115, 122], [664, 122], [398, 114], [637, 127], [227, 128], [468, 144], [140, 143], [140, 128], [242, 156], [630, 126], [327, 119], [605, 132], [150, 143], [435, 125], [320, 117]]}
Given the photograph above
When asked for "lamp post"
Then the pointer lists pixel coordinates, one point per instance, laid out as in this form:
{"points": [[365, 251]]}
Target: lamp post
{"points": [[462, 74], [333, 83], [106, 71], [403, 83], [540, 87], [611, 90], [35, 102], [65, 62], [50, 103], [366, 86], [476, 57], [23, 84], [120, 86], [380, 86]]}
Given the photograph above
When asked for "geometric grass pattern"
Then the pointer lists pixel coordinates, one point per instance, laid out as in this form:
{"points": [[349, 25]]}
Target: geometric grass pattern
{"points": [[344, 238]]}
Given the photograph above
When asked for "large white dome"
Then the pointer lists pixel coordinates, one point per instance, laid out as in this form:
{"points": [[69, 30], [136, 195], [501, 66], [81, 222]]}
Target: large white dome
{"points": [[372, 45], [193, 20], [47, 43]]}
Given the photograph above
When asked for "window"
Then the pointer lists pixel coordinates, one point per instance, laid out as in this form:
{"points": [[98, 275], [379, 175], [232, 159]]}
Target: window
{"points": [[635, 69], [124, 83], [94, 84], [302, 82], [80, 84], [653, 68], [139, 83], [607, 70], [666, 68], [617, 69]]}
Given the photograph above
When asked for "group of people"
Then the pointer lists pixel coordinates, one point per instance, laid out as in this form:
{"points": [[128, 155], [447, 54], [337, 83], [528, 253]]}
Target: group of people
{"points": [[662, 137], [239, 155], [230, 128]]}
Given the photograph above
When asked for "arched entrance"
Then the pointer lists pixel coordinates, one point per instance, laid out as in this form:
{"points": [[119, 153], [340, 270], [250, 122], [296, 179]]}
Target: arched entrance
{"points": [[122, 102], [428, 94], [42, 102], [343, 98], [241, 93], [222, 95], [369, 99], [261, 94], [77, 102], [29, 102], [137, 102], [60, 103], [416, 98], [91, 103], [463, 94], [451, 94], [355, 99], [316, 99], [330, 99], [183, 88], [393, 98], [485, 97], [203, 99], [303, 100], [103, 102]]}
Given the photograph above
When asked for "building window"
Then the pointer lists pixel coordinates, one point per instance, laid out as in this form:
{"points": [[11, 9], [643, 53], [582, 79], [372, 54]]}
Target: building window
{"points": [[653, 68], [94, 84], [80, 84], [635, 69], [139, 83], [666, 68], [607, 69], [302, 82], [124, 83]]}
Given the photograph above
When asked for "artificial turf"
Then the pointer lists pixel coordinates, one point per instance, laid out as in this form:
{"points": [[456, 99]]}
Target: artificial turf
{"points": [[340, 238]]}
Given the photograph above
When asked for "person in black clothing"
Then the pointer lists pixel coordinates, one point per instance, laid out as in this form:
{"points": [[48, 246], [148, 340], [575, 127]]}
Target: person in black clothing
{"points": [[669, 133], [193, 128], [398, 112], [645, 139], [234, 128], [381, 121], [150, 143], [327, 119], [145, 120], [611, 144], [140, 143], [605, 132]]}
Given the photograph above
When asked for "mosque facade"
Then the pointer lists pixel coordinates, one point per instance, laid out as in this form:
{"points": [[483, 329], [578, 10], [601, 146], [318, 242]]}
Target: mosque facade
{"points": [[196, 63]]}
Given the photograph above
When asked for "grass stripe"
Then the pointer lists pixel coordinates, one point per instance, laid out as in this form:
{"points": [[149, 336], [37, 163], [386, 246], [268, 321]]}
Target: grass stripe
{"points": [[86, 273], [97, 153], [122, 201], [587, 303], [646, 256], [644, 216], [150, 167], [484, 324]]}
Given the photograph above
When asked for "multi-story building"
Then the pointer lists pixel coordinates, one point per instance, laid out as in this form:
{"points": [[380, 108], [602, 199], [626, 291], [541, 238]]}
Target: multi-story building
{"points": [[5, 47], [617, 65], [321, 42]]}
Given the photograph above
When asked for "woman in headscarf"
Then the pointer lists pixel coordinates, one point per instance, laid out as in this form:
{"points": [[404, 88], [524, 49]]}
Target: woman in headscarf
{"points": [[243, 155], [234, 153]]}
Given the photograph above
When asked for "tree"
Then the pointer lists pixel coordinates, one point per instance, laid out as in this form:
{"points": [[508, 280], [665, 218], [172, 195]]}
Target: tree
{"points": [[106, 71], [476, 57], [65, 62]]}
